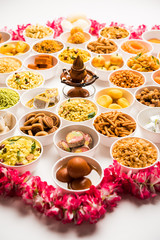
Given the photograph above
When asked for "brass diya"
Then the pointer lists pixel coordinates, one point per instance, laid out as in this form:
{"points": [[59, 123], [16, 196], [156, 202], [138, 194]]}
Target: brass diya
{"points": [[78, 77]]}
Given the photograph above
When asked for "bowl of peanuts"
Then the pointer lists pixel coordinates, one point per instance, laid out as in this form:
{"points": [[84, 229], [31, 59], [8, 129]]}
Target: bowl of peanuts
{"points": [[41, 124], [134, 153], [115, 98], [128, 79], [102, 46], [147, 97], [114, 125]]}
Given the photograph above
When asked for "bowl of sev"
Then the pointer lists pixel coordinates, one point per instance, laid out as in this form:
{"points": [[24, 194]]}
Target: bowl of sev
{"points": [[114, 125]]}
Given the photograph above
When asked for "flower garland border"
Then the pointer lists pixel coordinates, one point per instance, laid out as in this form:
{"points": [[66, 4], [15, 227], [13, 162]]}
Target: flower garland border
{"points": [[93, 204]]}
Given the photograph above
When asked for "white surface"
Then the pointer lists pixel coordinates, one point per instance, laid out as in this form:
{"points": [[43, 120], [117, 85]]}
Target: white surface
{"points": [[132, 219]]}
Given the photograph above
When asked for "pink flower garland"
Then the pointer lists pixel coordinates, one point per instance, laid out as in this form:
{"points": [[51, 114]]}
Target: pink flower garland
{"points": [[91, 205]]}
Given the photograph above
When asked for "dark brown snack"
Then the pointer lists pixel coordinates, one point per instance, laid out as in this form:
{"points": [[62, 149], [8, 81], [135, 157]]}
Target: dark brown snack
{"points": [[77, 167], [149, 98], [81, 183], [62, 175]]}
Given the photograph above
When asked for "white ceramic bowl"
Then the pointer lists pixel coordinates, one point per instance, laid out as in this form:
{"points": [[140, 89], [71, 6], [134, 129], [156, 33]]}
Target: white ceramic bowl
{"points": [[13, 125], [103, 74], [33, 40], [28, 167], [126, 94], [143, 119], [155, 74], [86, 122], [3, 76], [5, 36], [127, 55], [28, 95], [53, 54], [146, 74], [139, 106], [127, 70], [134, 170], [21, 56], [22, 90], [63, 65], [66, 29], [118, 41], [48, 72], [93, 54], [61, 162], [108, 141], [147, 35], [64, 37], [45, 140], [15, 107], [62, 133]]}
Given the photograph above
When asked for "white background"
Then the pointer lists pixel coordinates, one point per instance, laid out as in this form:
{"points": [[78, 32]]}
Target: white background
{"points": [[132, 219]]}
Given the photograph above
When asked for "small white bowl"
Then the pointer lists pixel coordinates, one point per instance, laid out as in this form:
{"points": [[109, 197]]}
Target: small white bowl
{"points": [[61, 135], [118, 41], [33, 40], [22, 90], [64, 37], [45, 140], [135, 170], [61, 162], [63, 65], [108, 141], [48, 72], [21, 56], [13, 125], [103, 74], [66, 29], [93, 54], [155, 74], [139, 106], [53, 54], [127, 70], [28, 167], [146, 74], [126, 94], [143, 119], [15, 107], [3, 76], [5, 36], [86, 122], [152, 34], [127, 55], [28, 95]]}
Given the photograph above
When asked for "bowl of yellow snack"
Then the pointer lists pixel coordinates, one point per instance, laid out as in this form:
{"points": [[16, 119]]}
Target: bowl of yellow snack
{"points": [[145, 64], [68, 55], [76, 37], [19, 49], [105, 64], [77, 110], [118, 34], [115, 98], [23, 81], [22, 153], [32, 33], [9, 65]]}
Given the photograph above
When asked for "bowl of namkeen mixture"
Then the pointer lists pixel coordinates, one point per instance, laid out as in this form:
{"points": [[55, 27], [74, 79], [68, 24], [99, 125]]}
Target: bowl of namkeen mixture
{"points": [[134, 153]]}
